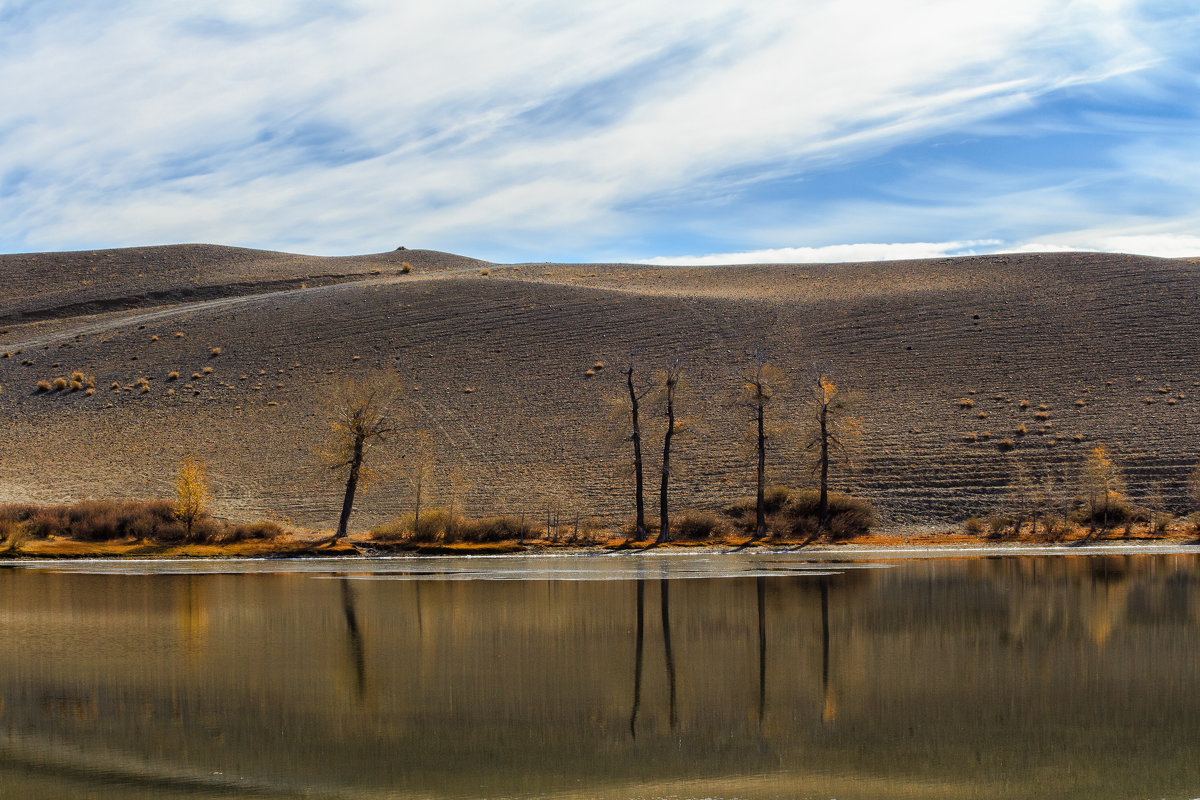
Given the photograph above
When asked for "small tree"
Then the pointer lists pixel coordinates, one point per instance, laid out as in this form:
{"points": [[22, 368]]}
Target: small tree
{"points": [[422, 460], [668, 384], [361, 410], [1102, 483], [759, 386], [832, 426], [191, 493]]}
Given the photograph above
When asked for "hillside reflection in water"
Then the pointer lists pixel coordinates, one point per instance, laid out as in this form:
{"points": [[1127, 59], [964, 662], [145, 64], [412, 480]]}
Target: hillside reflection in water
{"points": [[1003, 677]]}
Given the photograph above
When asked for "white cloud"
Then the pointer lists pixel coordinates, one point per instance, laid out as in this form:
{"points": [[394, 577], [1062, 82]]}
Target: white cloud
{"points": [[866, 251], [373, 123], [1162, 245]]}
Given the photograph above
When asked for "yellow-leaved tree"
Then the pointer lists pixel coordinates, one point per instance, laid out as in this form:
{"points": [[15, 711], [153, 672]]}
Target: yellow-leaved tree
{"points": [[191, 492]]}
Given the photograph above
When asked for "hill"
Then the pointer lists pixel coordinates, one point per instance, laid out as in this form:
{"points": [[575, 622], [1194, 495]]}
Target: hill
{"points": [[1055, 353]]}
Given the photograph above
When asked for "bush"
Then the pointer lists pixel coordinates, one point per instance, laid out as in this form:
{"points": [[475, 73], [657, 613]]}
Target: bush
{"points": [[974, 526], [60, 384], [998, 525], [848, 516], [43, 386], [1052, 528], [699, 526], [494, 529], [1115, 508]]}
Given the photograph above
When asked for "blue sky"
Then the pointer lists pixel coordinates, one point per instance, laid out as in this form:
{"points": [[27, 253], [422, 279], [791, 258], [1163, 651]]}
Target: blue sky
{"points": [[714, 131]]}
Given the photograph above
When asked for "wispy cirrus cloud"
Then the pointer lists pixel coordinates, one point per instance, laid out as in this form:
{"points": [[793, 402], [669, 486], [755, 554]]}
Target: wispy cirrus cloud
{"points": [[533, 129]]}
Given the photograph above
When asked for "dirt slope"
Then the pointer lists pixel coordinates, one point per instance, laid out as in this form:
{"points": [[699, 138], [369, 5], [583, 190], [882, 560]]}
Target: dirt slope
{"points": [[500, 362]]}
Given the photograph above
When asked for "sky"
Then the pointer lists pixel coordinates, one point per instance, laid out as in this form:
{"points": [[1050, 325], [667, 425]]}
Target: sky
{"points": [[712, 131]]}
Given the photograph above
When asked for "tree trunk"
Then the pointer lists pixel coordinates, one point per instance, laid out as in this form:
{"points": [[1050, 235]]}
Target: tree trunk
{"points": [[351, 486], [823, 501], [640, 530], [664, 516], [417, 508], [760, 515]]}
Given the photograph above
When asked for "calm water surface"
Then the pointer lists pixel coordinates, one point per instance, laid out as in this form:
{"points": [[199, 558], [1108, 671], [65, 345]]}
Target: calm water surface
{"points": [[603, 676]]}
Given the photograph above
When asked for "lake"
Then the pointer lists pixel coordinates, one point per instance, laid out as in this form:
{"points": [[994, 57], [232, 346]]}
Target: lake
{"points": [[738, 675]]}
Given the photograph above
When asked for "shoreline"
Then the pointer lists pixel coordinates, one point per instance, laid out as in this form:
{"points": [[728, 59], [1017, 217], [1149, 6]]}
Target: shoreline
{"points": [[951, 546]]}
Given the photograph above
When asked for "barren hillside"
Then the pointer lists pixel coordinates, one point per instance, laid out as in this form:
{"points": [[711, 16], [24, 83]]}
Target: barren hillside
{"points": [[496, 366]]}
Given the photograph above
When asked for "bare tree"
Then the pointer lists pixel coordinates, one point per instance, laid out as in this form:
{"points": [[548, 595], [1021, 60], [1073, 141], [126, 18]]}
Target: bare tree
{"points": [[668, 385], [362, 411], [832, 426], [637, 392], [759, 386]]}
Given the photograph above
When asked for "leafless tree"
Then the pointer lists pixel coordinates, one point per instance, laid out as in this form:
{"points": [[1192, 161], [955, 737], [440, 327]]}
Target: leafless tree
{"points": [[668, 385], [637, 392], [760, 384], [362, 410], [832, 427]]}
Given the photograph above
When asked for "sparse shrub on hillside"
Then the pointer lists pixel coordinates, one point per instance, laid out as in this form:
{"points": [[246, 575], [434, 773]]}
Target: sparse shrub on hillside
{"points": [[172, 376], [405, 268], [89, 391], [1023, 404], [154, 338], [983, 415], [59, 384], [1041, 415], [178, 334], [974, 526], [75, 386], [971, 437], [44, 386], [485, 272], [1020, 430], [1004, 445], [966, 402], [213, 353], [590, 373], [78, 377], [207, 370], [599, 365]]}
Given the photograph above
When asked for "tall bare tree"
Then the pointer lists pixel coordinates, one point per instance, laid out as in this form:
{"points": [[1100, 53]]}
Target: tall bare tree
{"points": [[668, 385], [637, 392], [362, 411], [832, 426], [759, 386]]}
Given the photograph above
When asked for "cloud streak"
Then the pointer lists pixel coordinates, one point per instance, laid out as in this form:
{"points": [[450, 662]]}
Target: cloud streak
{"points": [[529, 129]]}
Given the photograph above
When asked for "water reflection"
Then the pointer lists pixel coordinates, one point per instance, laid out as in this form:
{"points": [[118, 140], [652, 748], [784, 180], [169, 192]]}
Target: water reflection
{"points": [[980, 678]]}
